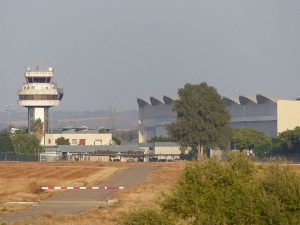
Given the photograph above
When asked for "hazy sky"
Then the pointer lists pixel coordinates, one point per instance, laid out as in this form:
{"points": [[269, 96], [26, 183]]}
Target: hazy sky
{"points": [[108, 52]]}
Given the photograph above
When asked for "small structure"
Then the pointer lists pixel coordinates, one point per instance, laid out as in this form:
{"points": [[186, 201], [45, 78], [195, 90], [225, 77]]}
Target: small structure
{"points": [[78, 136], [164, 151]]}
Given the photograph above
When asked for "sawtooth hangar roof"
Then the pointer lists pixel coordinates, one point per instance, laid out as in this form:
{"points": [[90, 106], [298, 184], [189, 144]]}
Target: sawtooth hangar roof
{"points": [[241, 100]]}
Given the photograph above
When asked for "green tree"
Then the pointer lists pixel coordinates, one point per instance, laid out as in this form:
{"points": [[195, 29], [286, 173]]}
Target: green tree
{"points": [[251, 139], [26, 143], [39, 129], [202, 118], [102, 131], [6, 144], [117, 140], [290, 140], [62, 141]]}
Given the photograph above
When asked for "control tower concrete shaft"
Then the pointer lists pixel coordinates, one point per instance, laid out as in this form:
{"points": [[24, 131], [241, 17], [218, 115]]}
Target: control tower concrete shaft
{"points": [[38, 94]]}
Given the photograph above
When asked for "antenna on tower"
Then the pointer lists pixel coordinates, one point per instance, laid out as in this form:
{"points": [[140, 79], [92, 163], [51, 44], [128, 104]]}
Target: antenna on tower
{"points": [[37, 65]]}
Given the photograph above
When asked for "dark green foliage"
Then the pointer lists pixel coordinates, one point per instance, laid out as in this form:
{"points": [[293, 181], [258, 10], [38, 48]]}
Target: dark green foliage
{"points": [[146, 217], [6, 144], [251, 139], [26, 143], [102, 131], [62, 141], [161, 139], [117, 141], [290, 140], [202, 118], [19, 141], [282, 188], [235, 192], [38, 129]]}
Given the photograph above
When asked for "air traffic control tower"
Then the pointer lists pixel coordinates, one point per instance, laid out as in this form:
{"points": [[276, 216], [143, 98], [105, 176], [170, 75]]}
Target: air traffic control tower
{"points": [[38, 94]]}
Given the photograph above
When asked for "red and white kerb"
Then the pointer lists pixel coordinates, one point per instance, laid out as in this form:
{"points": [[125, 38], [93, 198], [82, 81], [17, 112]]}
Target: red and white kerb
{"points": [[84, 188]]}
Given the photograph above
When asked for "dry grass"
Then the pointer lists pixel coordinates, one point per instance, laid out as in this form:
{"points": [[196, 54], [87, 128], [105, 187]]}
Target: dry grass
{"points": [[21, 182], [144, 195], [296, 167]]}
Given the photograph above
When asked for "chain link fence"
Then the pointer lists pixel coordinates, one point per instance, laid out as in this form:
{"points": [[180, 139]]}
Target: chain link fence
{"points": [[19, 157], [46, 157]]}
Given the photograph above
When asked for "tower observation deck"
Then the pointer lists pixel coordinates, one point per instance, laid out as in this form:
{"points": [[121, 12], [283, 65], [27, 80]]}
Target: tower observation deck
{"points": [[38, 94]]}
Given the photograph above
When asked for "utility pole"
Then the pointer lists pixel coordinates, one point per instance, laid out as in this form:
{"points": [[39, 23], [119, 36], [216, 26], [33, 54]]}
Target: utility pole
{"points": [[8, 116], [113, 117]]}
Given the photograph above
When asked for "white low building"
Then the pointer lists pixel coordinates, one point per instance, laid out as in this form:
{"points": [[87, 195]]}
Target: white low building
{"points": [[79, 139], [166, 151]]}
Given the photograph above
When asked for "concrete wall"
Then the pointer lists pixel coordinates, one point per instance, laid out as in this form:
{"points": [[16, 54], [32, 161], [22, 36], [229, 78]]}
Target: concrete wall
{"points": [[90, 139], [261, 116], [288, 115], [152, 120], [174, 150], [99, 158]]}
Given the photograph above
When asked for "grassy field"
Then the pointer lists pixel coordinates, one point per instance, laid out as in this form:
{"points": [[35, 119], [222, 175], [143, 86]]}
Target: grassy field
{"points": [[144, 195]]}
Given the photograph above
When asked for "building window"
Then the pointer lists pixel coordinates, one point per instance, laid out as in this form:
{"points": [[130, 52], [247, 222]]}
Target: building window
{"points": [[81, 141], [49, 141], [74, 141]]}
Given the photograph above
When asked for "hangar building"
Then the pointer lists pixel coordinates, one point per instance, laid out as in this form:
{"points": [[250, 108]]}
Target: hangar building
{"points": [[267, 114]]}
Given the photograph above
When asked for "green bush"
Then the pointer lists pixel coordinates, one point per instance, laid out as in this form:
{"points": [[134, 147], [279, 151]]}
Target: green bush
{"points": [[281, 187], [146, 217], [62, 141], [235, 192]]}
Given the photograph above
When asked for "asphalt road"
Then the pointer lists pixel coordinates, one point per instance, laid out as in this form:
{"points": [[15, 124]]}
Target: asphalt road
{"points": [[78, 201]]}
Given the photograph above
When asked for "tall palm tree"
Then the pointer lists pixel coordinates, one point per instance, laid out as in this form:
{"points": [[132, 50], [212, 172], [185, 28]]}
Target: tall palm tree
{"points": [[39, 129]]}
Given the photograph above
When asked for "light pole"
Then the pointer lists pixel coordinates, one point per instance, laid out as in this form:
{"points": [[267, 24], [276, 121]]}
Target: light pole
{"points": [[19, 152], [8, 118]]}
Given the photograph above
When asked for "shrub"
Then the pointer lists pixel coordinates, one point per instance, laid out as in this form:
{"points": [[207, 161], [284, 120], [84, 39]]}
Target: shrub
{"points": [[281, 187], [34, 188], [146, 217], [232, 192], [235, 192]]}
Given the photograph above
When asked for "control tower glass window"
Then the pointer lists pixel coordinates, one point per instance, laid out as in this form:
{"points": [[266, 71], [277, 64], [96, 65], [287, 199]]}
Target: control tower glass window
{"points": [[38, 79]]}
